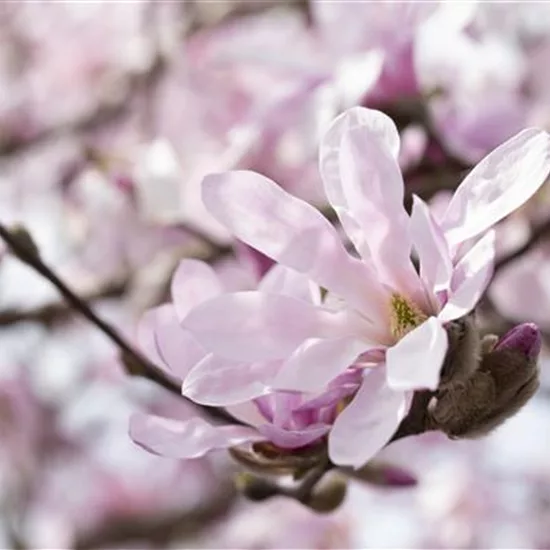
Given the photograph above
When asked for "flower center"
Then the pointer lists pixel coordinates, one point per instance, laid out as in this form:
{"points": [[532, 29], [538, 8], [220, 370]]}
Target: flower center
{"points": [[405, 316]]}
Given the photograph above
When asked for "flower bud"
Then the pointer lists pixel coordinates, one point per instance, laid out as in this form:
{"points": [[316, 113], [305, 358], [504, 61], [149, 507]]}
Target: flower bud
{"points": [[383, 475], [24, 241], [328, 495], [507, 378], [255, 488], [524, 338]]}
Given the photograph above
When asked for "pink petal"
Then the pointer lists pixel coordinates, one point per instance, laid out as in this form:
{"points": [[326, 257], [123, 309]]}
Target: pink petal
{"points": [[436, 267], [363, 182], [499, 184], [219, 382], [246, 412], [193, 282], [293, 439], [470, 279], [293, 233], [177, 347], [416, 360], [167, 344], [146, 333], [316, 362], [255, 326], [368, 422], [186, 439], [282, 280]]}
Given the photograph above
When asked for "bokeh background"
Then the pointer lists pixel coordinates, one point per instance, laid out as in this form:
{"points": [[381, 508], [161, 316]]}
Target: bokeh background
{"points": [[110, 115]]}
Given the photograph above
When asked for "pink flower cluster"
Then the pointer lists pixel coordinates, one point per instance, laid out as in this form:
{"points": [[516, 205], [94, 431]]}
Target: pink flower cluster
{"points": [[331, 344]]}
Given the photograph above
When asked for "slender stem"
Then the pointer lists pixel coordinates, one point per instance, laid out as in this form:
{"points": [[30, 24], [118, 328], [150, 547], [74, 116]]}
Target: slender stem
{"points": [[32, 259], [304, 490], [24, 250], [538, 234], [59, 311]]}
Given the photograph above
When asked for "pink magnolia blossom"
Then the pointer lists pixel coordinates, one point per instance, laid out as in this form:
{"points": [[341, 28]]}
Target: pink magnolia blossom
{"points": [[288, 420], [377, 309]]}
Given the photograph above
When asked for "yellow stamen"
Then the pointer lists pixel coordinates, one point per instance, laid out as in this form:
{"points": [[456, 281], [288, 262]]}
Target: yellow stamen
{"points": [[405, 316]]}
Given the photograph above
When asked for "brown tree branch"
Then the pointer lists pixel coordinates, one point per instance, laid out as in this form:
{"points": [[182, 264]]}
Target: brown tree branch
{"points": [[59, 311], [538, 234], [160, 529], [22, 246]]}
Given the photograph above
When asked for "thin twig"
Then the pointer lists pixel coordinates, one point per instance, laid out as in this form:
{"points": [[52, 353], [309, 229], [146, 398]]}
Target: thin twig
{"points": [[538, 234], [160, 529], [60, 311], [24, 250], [303, 492]]}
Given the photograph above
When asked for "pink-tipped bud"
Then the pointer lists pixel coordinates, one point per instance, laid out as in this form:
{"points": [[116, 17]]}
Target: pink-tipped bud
{"points": [[397, 477], [525, 338]]}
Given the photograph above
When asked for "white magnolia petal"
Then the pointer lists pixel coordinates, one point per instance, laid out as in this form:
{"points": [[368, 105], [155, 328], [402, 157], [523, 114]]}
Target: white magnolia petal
{"points": [[363, 182], [193, 282], [176, 346], [470, 279], [219, 382], [255, 326], [500, 183], [282, 280], [145, 333], [415, 361], [186, 439], [436, 267], [363, 428], [293, 233], [316, 362], [166, 343]]}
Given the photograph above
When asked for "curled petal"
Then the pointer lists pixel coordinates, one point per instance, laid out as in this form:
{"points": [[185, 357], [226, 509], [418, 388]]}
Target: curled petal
{"points": [[470, 279], [500, 183], [293, 439], [146, 333], [293, 233], [166, 343], [363, 182], [282, 280], [194, 282], [368, 422], [186, 439], [220, 382], [416, 360], [436, 267]]}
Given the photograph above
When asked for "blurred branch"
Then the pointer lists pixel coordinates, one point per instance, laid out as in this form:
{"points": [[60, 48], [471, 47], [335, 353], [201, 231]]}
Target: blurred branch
{"points": [[59, 311], [428, 176], [106, 111], [160, 530], [206, 15], [538, 234], [21, 245]]}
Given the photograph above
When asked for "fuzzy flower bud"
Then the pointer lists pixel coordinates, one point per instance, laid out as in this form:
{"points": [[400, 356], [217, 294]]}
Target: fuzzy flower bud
{"points": [[525, 338], [507, 378]]}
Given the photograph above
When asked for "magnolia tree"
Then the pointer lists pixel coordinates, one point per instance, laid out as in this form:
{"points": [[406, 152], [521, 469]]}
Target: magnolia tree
{"points": [[261, 261]]}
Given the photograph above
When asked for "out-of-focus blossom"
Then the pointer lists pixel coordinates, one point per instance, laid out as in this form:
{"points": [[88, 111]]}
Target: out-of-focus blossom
{"points": [[486, 74], [295, 527]]}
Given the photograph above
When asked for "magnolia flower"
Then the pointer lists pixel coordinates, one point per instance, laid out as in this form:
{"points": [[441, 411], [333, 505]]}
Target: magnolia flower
{"points": [[377, 309], [288, 420]]}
